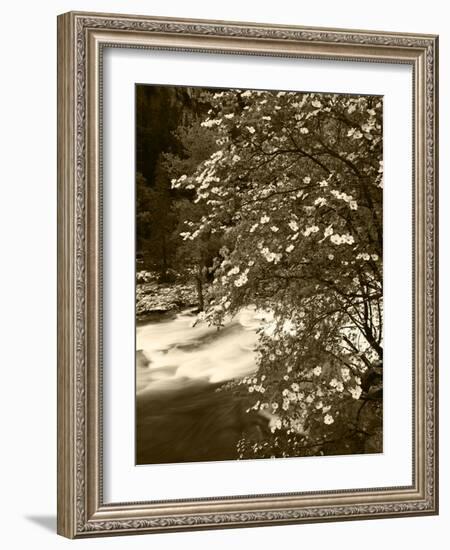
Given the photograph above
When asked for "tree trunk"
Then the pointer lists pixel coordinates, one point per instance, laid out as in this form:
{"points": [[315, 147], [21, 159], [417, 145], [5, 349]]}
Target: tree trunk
{"points": [[164, 258], [199, 280]]}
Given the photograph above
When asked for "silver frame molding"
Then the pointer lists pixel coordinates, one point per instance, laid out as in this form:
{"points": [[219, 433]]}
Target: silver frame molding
{"points": [[81, 38]]}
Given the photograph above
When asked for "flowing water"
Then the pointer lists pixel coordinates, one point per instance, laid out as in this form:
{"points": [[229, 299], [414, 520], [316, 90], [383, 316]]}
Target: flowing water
{"points": [[181, 364], [172, 351]]}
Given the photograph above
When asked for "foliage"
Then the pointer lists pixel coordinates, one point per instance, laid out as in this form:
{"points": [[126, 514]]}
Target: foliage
{"points": [[161, 114], [196, 144], [293, 190], [156, 221]]}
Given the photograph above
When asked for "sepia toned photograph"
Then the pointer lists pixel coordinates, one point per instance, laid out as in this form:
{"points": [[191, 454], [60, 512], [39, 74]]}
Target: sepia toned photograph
{"points": [[247, 274], [259, 274]]}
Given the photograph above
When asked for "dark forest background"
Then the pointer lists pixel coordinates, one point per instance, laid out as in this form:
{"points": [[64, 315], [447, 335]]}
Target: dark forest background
{"points": [[166, 147]]}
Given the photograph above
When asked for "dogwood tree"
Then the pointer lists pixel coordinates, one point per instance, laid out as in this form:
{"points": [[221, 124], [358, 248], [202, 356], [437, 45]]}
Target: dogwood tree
{"points": [[294, 189]]}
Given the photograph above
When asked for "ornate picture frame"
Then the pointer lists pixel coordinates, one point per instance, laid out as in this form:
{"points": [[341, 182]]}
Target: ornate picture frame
{"points": [[82, 39]]}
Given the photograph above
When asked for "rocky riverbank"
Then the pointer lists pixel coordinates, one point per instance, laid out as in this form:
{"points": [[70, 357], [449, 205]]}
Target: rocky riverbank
{"points": [[154, 299]]}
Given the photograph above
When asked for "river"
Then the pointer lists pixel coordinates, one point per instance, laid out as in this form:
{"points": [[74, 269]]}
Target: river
{"points": [[183, 413]]}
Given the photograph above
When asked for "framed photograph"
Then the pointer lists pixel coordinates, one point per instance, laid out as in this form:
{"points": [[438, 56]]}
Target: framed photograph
{"points": [[247, 288]]}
